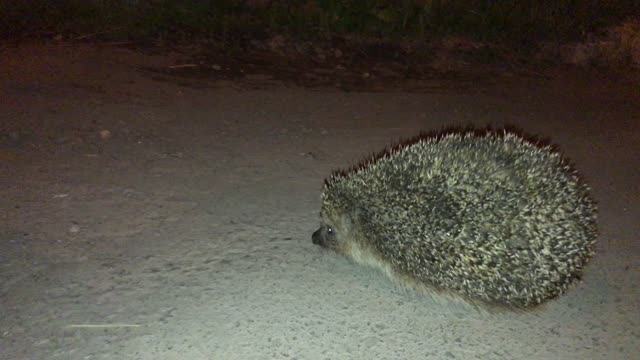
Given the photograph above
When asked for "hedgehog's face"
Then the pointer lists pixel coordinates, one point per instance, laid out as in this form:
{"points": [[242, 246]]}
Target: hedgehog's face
{"points": [[325, 236], [332, 233]]}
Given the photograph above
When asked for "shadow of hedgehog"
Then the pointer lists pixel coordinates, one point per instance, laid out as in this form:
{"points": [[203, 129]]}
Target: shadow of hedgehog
{"points": [[490, 218]]}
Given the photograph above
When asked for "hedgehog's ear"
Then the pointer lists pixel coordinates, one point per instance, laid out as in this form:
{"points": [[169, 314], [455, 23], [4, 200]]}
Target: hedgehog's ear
{"points": [[356, 213], [353, 216]]}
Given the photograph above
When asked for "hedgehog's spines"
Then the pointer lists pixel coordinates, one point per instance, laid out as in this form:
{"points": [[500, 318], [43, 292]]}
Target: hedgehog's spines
{"points": [[491, 216]]}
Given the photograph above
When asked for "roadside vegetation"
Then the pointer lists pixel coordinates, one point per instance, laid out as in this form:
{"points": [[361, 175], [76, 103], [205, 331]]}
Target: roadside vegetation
{"points": [[594, 26], [500, 20]]}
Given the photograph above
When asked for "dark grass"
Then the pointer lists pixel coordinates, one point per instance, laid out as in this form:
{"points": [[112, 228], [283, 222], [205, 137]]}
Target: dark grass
{"points": [[518, 22]]}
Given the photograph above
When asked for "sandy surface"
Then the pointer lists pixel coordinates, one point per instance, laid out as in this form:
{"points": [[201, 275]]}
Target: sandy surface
{"points": [[184, 232]]}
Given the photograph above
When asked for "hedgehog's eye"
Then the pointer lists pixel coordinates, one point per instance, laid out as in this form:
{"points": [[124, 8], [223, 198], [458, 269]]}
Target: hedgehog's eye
{"points": [[330, 230]]}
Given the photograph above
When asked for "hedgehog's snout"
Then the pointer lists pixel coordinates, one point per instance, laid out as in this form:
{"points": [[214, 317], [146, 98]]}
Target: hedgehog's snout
{"points": [[317, 237]]}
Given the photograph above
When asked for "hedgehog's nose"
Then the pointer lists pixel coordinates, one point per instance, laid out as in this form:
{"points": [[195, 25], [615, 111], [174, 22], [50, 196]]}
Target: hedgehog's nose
{"points": [[316, 238]]}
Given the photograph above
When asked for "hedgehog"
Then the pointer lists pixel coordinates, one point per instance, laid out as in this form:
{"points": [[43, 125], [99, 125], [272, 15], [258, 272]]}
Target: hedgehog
{"points": [[490, 218]]}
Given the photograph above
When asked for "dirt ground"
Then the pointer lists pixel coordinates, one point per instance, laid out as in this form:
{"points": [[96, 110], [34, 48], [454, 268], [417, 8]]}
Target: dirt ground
{"points": [[154, 217]]}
